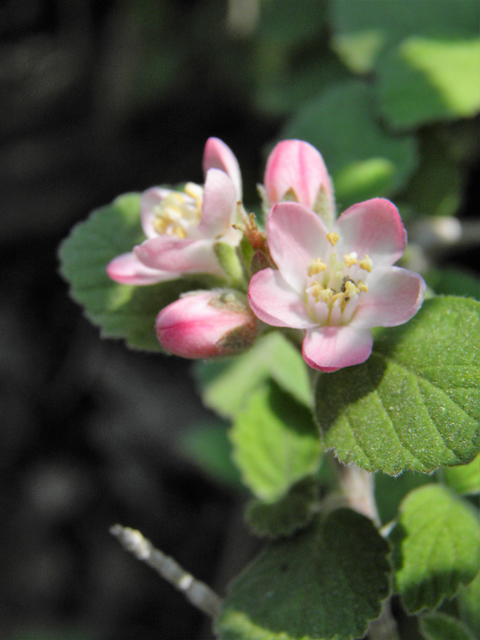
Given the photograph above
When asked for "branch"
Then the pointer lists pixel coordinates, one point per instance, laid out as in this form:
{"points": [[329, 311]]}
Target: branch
{"points": [[196, 592]]}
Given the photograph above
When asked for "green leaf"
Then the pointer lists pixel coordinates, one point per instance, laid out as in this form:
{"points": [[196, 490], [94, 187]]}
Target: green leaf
{"points": [[327, 581], [415, 403], [454, 281], [425, 80], [469, 604], [438, 626], [289, 22], [362, 29], [390, 491], [208, 445], [465, 479], [120, 310], [364, 160], [436, 546], [291, 513], [225, 386], [275, 442]]}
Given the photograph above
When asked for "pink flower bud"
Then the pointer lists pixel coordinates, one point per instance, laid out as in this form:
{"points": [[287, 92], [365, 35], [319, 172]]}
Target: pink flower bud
{"points": [[207, 324]]}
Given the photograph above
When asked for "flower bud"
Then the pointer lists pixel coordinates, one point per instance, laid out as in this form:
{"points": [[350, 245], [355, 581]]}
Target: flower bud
{"points": [[207, 324]]}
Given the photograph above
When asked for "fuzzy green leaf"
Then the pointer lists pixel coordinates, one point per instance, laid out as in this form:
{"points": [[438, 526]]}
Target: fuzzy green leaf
{"points": [[225, 386], [436, 546], [292, 512], [327, 582], [415, 403], [364, 159], [454, 281], [120, 310], [275, 442], [439, 626]]}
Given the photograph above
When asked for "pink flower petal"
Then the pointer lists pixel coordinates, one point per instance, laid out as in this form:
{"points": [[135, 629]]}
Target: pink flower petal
{"points": [[219, 204], [179, 255], [294, 164], [127, 269], [373, 228], [151, 198], [276, 303], [330, 348], [394, 296], [296, 236], [218, 155]]}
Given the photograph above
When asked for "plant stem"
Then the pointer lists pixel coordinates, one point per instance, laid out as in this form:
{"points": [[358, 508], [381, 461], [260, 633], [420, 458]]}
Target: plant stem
{"points": [[196, 592]]}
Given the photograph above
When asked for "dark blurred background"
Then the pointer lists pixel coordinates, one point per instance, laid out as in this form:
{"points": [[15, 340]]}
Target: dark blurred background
{"points": [[100, 98]]}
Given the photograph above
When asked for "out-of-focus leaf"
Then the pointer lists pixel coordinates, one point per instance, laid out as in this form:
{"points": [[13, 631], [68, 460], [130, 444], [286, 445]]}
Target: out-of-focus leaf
{"points": [[438, 626], [415, 403], [425, 80], [362, 29], [275, 442], [436, 546], [326, 582], [225, 386], [208, 445], [454, 281], [290, 22], [390, 491], [291, 513], [465, 479], [364, 160], [469, 604]]}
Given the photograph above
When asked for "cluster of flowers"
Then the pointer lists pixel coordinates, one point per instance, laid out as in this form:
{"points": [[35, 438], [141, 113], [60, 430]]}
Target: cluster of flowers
{"points": [[333, 279]]}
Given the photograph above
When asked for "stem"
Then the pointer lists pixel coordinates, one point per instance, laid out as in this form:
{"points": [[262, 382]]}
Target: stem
{"points": [[196, 592], [359, 488]]}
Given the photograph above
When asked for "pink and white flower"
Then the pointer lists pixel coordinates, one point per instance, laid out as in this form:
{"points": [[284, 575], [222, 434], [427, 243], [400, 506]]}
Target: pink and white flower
{"points": [[207, 324], [296, 172], [182, 228], [337, 283]]}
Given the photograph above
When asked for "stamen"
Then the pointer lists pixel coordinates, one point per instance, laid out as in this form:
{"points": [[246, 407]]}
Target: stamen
{"points": [[324, 295], [315, 267], [193, 190], [350, 259], [363, 288], [314, 290], [338, 299], [333, 238], [351, 290], [366, 264]]}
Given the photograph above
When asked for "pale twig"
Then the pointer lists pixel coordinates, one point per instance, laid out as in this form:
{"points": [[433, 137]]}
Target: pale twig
{"points": [[196, 592]]}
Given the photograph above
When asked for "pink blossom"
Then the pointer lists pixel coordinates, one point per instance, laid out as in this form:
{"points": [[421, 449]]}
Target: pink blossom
{"points": [[207, 324], [338, 283], [182, 227], [296, 172]]}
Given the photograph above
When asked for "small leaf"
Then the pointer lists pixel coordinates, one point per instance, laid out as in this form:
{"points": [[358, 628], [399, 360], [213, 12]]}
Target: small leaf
{"points": [[225, 386], [426, 80], [292, 512], [363, 158], [207, 445], [415, 403], [436, 547], [469, 604], [327, 582], [121, 311], [438, 626], [275, 442], [464, 479]]}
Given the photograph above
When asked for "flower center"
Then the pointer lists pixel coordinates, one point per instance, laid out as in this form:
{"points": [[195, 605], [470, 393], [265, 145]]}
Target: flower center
{"points": [[334, 286], [178, 212]]}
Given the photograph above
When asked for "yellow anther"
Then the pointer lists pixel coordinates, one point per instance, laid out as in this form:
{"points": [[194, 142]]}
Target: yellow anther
{"points": [[338, 299], [179, 231], [333, 238], [351, 290], [324, 295], [193, 190], [366, 264], [315, 289], [315, 267], [350, 259], [363, 288]]}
